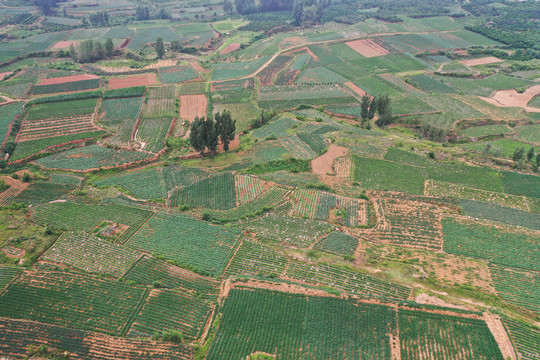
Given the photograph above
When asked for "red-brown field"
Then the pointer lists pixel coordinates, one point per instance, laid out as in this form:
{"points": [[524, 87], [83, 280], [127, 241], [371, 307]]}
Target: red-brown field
{"points": [[367, 48], [132, 80], [230, 48], [192, 106], [67, 79], [65, 44], [481, 61], [355, 88]]}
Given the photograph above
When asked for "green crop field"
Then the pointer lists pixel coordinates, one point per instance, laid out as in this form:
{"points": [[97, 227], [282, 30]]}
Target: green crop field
{"points": [[435, 336], [505, 215], [338, 242], [484, 87], [65, 87], [61, 109], [166, 310], [177, 74], [191, 243], [86, 217], [502, 246], [149, 270], [255, 259], [73, 300], [517, 286], [7, 274], [145, 184], [7, 115], [529, 133], [430, 84], [41, 192], [299, 326], [487, 130], [526, 338], [116, 111], [18, 335], [521, 184], [226, 71], [215, 192], [91, 157], [276, 128], [92, 254], [152, 132], [389, 63]]}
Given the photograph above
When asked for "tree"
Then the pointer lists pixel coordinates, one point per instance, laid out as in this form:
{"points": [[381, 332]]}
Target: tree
{"points": [[160, 47], [518, 153], [530, 154], [384, 110], [72, 52], [210, 135], [227, 6], [9, 147], [372, 108], [365, 107], [142, 13], [196, 134], [109, 48], [226, 127]]}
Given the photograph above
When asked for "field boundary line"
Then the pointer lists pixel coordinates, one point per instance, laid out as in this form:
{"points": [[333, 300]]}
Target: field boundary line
{"points": [[131, 318], [136, 231], [11, 282], [222, 276], [132, 265]]}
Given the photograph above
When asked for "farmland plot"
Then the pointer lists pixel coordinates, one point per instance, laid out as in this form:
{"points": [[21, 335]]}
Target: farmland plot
{"points": [[41, 192], [91, 254], [338, 242], [149, 270], [72, 300], [177, 74], [505, 215], [166, 310], [526, 338], [255, 259], [45, 128], [436, 336], [7, 274], [287, 97], [297, 147], [117, 111], [191, 243], [277, 128], [7, 114], [159, 108], [67, 83], [301, 327], [152, 133], [192, 106], [91, 157], [17, 335], [517, 286], [176, 176], [145, 184], [348, 281], [216, 192], [247, 188]]}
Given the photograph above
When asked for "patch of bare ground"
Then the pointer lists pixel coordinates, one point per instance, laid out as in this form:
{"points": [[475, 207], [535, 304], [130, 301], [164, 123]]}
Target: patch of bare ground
{"points": [[501, 336], [342, 167], [511, 98], [481, 61], [433, 300], [395, 347], [283, 287], [324, 164]]}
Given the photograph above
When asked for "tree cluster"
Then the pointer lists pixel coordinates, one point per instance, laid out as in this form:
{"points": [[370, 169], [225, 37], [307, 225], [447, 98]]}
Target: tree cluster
{"points": [[91, 51], [45, 5], [205, 133], [371, 106], [99, 18]]}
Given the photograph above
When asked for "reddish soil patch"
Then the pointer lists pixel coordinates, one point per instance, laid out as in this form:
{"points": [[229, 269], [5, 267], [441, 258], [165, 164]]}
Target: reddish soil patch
{"points": [[501, 336], [367, 48], [481, 61], [65, 44], [230, 48], [67, 79], [4, 74], [324, 164], [132, 80], [192, 106], [355, 88], [232, 145], [306, 49], [511, 98]]}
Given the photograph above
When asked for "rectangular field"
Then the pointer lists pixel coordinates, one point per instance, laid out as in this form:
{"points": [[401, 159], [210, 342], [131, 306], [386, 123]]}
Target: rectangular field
{"points": [[192, 106], [190, 243], [132, 80]]}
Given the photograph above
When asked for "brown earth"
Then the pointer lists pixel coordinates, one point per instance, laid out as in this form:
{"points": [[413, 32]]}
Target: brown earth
{"points": [[324, 164], [132, 80], [306, 49], [192, 106], [511, 98], [65, 44], [230, 48], [481, 61], [355, 88], [367, 48], [501, 336], [67, 79]]}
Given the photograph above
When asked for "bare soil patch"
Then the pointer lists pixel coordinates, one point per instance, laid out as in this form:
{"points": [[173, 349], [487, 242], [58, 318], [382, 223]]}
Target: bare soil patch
{"points": [[481, 61], [67, 79], [432, 300], [232, 145], [132, 80], [511, 98], [283, 287], [501, 336], [367, 48], [355, 88], [162, 63], [65, 44], [230, 48], [324, 164], [342, 167], [192, 106], [306, 49]]}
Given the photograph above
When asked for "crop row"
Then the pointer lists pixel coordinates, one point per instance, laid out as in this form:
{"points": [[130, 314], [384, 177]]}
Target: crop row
{"points": [[345, 280], [92, 254], [216, 192], [526, 338], [7, 273], [166, 310], [247, 188], [338, 242], [149, 271], [152, 132], [255, 259], [517, 286], [193, 244]]}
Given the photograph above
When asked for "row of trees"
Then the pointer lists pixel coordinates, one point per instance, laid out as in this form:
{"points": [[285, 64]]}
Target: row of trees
{"points": [[205, 133], [381, 105], [91, 51]]}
